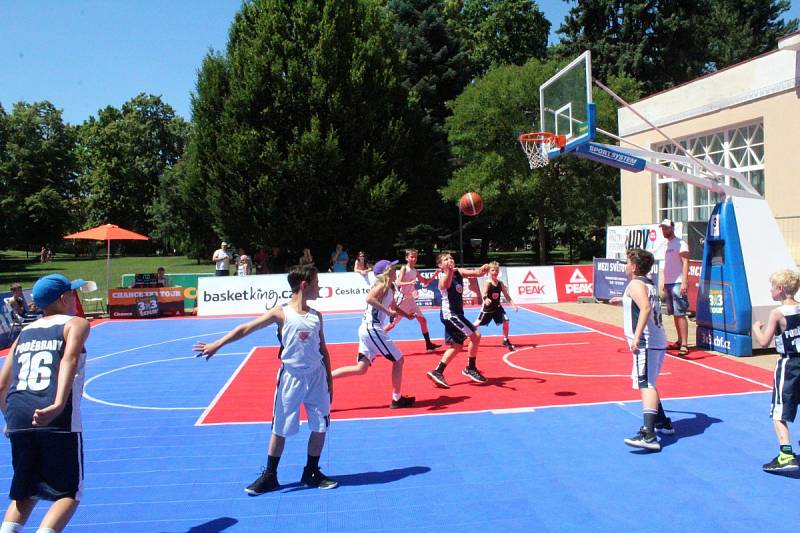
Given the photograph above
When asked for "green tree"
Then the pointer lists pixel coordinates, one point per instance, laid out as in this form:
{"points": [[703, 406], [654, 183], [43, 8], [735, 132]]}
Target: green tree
{"points": [[499, 32], [123, 154], [567, 202], [37, 176], [668, 42], [312, 126]]}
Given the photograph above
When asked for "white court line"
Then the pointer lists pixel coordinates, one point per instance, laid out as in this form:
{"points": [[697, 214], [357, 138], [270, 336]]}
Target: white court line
{"points": [[142, 407], [224, 388], [668, 354], [565, 374]]}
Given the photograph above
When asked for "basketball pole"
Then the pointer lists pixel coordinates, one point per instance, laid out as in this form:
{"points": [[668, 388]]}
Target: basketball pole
{"points": [[460, 237]]}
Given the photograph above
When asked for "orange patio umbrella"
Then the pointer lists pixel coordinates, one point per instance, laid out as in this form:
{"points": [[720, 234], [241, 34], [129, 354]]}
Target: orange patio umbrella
{"points": [[108, 233]]}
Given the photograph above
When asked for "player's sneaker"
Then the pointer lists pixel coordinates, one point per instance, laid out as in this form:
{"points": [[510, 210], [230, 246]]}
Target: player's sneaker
{"points": [[438, 378], [266, 482], [474, 375], [313, 477], [665, 427], [507, 344], [404, 401], [431, 346], [784, 462], [644, 439]]}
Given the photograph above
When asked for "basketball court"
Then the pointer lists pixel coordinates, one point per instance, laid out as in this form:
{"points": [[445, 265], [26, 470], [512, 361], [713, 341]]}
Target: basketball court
{"points": [[171, 441]]}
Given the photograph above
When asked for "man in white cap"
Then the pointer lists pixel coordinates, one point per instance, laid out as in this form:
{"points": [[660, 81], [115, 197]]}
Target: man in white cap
{"points": [[673, 280], [222, 259], [41, 384]]}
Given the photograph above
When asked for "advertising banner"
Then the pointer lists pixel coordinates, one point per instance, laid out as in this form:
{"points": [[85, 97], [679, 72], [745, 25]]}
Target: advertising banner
{"points": [[695, 268], [610, 279], [532, 285], [645, 236], [187, 281], [145, 303], [251, 295], [573, 282]]}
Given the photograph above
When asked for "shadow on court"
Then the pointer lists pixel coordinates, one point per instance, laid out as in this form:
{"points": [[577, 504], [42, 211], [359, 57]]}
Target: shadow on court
{"points": [[368, 478], [214, 526]]}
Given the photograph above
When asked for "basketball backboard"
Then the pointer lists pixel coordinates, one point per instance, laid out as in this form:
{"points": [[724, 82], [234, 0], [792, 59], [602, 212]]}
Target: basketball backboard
{"points": [[566, 106]]}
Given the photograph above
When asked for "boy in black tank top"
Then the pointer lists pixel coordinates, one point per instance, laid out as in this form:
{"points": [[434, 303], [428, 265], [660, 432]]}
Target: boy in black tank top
{"points": [[784, 325], [40, 408], [456, 326], [492, 308]]}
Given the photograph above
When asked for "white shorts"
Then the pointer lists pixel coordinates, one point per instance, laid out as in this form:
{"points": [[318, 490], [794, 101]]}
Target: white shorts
{"points": [[407, 302], [646, 367], [372, 342], [309, 389]]}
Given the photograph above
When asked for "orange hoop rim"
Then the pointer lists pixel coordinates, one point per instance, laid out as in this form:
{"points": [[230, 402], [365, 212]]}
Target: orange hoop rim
{"points": [[539, 137]]}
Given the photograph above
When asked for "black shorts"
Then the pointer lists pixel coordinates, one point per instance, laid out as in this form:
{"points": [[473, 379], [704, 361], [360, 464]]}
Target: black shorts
{"points": [[47, 465], [498, 315], [786, 389], [456, 329]]}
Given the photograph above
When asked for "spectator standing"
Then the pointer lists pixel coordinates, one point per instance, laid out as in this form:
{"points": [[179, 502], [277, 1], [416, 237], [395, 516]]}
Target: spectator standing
{"points": [[339, 259], [673, 281], [243, 265], [306, 258], [161, 277], [260, 259], [360, 265], [277, 262], [222, 260]]}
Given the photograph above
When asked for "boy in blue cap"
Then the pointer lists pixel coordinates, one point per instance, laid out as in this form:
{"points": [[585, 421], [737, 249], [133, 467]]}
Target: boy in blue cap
{"points": [[41, 384]]}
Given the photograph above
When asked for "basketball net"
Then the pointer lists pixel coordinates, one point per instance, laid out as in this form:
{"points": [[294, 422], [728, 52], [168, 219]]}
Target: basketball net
{"points": [[537, 145]]}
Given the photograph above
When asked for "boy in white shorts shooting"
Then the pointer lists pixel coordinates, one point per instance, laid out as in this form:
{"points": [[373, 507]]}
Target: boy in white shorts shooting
{"points": [[406, 282], [372, 340], [303, 378]]}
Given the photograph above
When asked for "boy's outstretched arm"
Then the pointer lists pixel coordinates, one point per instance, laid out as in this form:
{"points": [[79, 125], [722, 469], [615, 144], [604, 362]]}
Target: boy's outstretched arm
{"points": [[207, 350]]}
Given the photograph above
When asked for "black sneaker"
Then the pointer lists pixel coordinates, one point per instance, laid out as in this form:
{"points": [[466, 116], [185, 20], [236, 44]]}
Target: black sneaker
{"points": [[404, 401], [644, 439], [665, 427], [313, 477], [507, 344], [431, 346], [266, 482], [782, 463], [474, 375], [438, 378]]}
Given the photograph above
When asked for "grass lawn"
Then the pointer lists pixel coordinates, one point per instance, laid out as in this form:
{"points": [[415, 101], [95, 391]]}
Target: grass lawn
{"points": [[15, 267]]}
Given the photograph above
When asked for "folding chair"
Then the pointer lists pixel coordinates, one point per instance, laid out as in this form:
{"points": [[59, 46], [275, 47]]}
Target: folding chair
{"points": [[97, 301]]}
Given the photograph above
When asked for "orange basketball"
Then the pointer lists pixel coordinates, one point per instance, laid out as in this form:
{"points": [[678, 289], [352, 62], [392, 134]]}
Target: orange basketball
{"points": [[471, 204]]}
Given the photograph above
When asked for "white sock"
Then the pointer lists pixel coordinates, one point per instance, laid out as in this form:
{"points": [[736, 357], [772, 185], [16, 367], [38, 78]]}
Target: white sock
{"points": [[395, 397], [10, 527]]}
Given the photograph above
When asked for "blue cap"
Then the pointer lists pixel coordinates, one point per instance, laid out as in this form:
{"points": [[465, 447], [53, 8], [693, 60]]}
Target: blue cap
{"points": [[46, 290], [382, 266]]}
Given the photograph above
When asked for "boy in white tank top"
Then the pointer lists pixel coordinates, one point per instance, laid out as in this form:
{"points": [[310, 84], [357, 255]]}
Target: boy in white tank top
{"points": [[784, 325], [647, 340], [406, 282], [372, 340], [303, 378]]}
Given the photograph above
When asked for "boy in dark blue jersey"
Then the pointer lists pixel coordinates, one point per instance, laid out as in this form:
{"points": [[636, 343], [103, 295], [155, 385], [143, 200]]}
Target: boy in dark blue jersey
{"points": [[783, 324], [457, 329], [41, 384]]}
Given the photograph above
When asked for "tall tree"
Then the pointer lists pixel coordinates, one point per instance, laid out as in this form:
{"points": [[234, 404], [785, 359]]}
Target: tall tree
{"points": [[37, 176], [668, 42], [123, 154], [568, 201], [313, 126], [500, 32]]}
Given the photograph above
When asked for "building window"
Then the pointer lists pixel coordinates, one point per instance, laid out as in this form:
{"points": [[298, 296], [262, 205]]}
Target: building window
{"points": [[740, 149]]}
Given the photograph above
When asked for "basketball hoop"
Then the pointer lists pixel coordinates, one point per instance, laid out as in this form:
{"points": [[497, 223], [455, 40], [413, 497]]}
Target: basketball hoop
{"points": [[537, 145]]}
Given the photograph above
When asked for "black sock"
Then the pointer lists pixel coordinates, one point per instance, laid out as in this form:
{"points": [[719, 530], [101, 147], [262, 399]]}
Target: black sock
{"points": [[427, 337], [471, 363], [662, 416], [441, 367], [787, 449], [272, 463], [313, 462], [649, 420]]}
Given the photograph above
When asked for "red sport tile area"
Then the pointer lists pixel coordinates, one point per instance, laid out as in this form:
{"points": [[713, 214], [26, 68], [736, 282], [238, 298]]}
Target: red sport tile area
{"points": [[545, 370]]}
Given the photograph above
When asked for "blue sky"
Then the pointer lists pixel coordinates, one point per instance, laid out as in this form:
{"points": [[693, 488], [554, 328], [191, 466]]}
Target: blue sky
{"points": [[83, 55]]}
